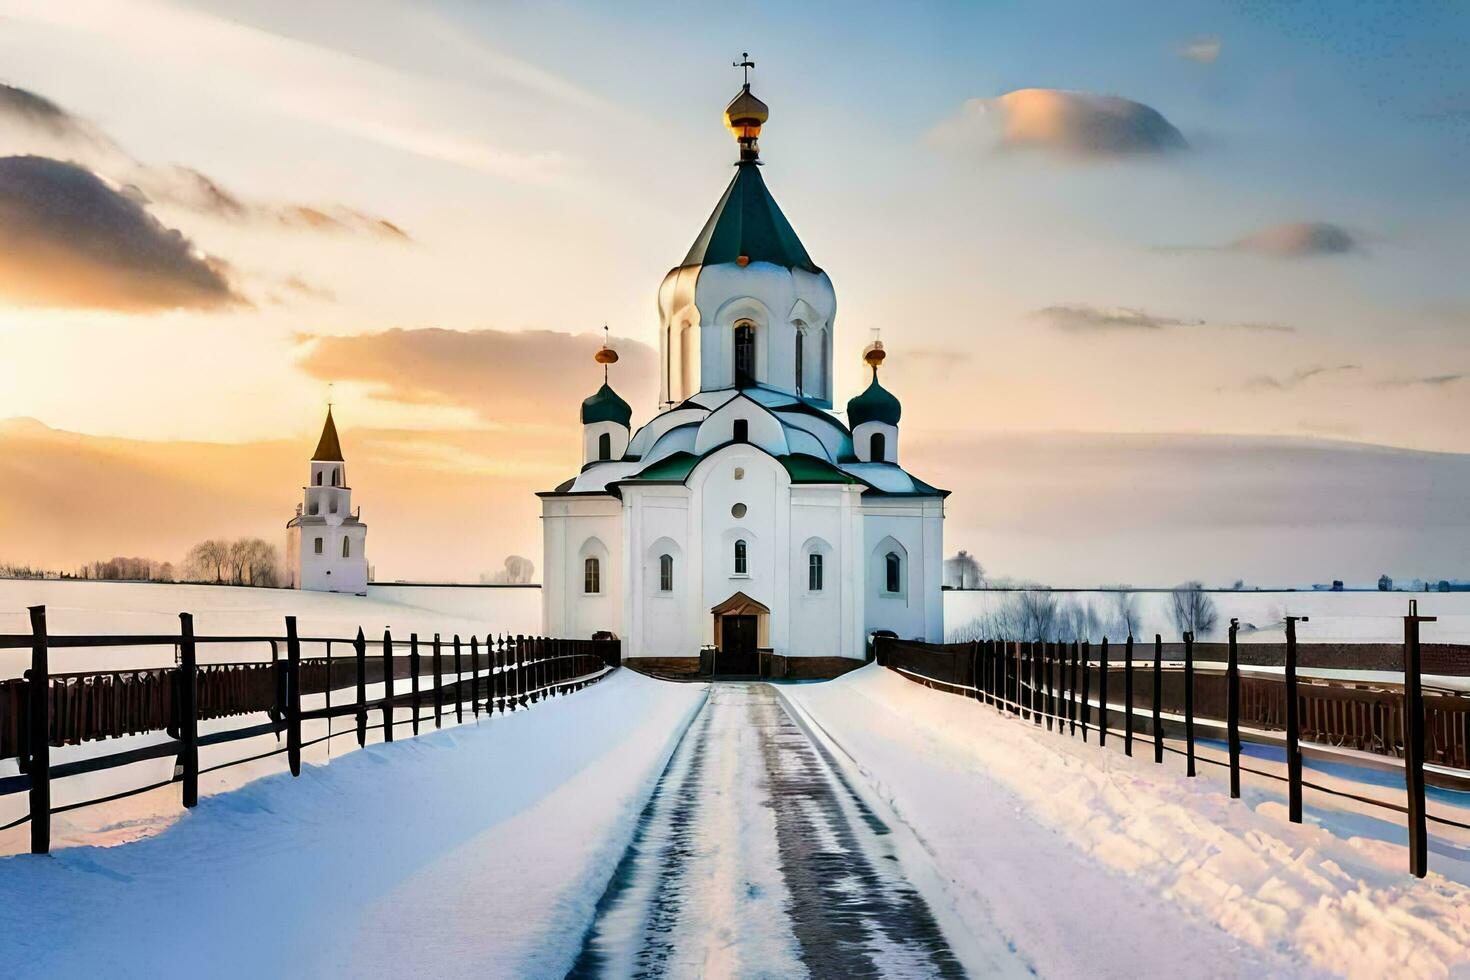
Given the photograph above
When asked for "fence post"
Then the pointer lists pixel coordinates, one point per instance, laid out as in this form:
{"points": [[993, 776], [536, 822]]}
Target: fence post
{"points": [[1414, 742], [1189, 702], [188, 710], [458, 679], [38, 685], [1073, 708], [1102, 696], [1128, 696], [438, 684], [387, 686], [475, 676], [1293, 727], [359, 648], [1086, 684], [1232, 710], [1048, 658], [413, 681], [1158, 698], [293, 697]]}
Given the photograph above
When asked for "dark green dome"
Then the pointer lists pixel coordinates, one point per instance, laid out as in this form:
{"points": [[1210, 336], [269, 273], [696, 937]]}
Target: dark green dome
{"points": [[875, 404], [606, 406]]}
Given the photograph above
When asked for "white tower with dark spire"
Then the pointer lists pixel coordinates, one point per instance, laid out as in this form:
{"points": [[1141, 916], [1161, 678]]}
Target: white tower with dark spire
{"points": [[326, 542]]}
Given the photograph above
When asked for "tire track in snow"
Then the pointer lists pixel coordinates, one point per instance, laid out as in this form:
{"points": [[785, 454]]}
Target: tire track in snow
{"points": [[754, 858]]}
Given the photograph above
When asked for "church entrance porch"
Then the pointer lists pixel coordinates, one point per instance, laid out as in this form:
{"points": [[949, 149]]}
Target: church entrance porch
{"points": [[740, 625]]}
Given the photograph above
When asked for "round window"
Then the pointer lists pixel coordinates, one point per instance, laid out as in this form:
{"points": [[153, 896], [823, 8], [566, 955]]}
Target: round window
{"points": [[739, 472], [738, 510]]}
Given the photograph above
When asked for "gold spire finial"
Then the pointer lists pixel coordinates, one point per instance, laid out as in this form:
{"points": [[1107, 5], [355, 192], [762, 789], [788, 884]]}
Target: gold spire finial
{"points": [[874, 354], [605, 354], [745, 114]]}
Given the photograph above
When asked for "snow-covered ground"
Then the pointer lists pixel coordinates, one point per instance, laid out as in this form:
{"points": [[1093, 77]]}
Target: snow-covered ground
{"points": [[1094, 863], [473, 852], [144, 608], [1355, 617]]}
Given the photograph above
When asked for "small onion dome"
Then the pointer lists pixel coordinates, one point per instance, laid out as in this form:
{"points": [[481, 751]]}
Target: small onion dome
{"points": [[606, 406], [745, 114], [605, 355], [875, 404], [874, 355]]}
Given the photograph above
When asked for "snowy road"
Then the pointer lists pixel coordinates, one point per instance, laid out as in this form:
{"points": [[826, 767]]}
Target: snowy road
{"points": [[754, 857]]}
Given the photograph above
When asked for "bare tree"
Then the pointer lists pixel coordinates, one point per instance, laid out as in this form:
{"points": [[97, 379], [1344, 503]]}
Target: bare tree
{"points": [[963, 571], [208, 560], [517, 571], [1193, 609], [261, 562], [1035, 615], [1127, 618]]}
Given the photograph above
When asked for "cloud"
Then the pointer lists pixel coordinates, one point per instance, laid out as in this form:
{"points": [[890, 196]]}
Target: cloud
{"points": [[1266, 382], [1080, 318], [30, 117], [1428, 381], [505, 377], [1078, 125], [1205, 49], [69, 239], [1295, 239]]}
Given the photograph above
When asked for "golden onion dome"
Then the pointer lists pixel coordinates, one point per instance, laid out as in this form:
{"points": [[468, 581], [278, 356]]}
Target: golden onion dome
{"points": [[744, 117], [874, 354], [605, 355]]}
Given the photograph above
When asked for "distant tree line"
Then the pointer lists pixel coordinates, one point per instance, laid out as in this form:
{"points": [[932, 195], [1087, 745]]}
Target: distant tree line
{"points": [[244, 561], [1036, 612]]}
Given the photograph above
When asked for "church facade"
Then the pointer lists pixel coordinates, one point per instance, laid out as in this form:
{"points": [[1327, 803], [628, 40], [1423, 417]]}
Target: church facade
{"points": [[326, 542], [745, 516]]}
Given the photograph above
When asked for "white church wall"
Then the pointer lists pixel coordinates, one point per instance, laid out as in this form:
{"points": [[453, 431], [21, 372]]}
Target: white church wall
{"points": [[829, 622], [574, 529], [744, 476], [912, 527], [659, 623], [328, 571]]}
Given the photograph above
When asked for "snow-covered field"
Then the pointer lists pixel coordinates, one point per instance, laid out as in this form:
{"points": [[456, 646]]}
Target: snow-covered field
{"points": [[1357, 617], [1094, 863], [473, 852], [142, 608]]}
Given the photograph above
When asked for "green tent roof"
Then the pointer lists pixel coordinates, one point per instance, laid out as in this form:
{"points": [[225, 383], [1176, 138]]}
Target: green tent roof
{"points": [[673, 468], [875, 404], [748, 222], [809, 469], [606, 406]]}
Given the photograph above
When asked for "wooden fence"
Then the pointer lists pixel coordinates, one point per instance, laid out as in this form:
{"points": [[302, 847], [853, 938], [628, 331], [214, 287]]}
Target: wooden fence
{"points": [[1077, 689], [45, 709]]}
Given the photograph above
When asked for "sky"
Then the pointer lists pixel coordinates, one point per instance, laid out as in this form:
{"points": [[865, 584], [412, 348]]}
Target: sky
{"points": [[1152, 228]]}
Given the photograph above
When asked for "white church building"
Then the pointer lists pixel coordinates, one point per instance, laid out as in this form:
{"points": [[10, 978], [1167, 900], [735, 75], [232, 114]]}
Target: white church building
{"points": [[745, 516], [326, 542]]}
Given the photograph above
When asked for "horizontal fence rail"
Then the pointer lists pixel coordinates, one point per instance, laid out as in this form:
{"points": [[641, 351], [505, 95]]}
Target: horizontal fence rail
{"points": [[45, 709], [1057, 686]]}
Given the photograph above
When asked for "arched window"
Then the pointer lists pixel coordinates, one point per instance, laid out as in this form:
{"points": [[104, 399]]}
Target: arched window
{"points": [[742, 430], [314, 509], [800, 374], [893, 573], [336, 476], [814, 572], [878, 447], [318, 548], [346, 547], [591, 576], [666, 573], [744, 355], [742, 564], [317, 479], [604, 446], [332, 505]]}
